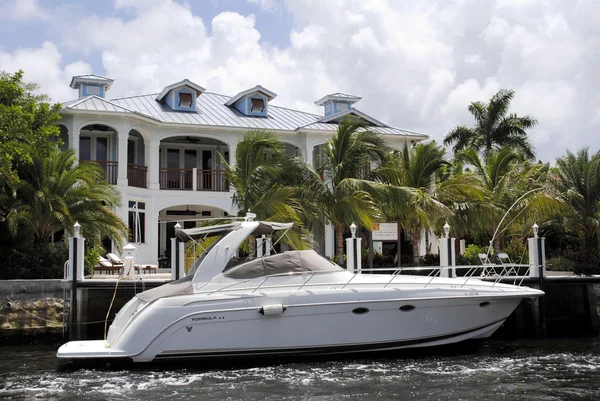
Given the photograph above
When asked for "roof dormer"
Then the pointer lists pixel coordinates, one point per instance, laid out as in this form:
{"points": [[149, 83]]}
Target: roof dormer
{"points": [[252, 102], [181, 96], [91, 84], [336, 102]]}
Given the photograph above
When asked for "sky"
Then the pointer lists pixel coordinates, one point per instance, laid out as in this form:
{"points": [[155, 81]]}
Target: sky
{"points": [[417, 64]]}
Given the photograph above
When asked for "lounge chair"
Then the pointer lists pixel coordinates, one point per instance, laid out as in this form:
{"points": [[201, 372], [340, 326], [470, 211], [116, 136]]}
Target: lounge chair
{"points": [[106, 266]]}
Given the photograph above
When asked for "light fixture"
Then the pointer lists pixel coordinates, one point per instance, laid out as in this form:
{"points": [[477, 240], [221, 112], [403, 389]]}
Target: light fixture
{"points": [[446, 229], [535, 230], [76, 229], [353, 230], [177, 227]]}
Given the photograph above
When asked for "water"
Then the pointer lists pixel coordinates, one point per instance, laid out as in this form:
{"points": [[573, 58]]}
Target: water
{"points": [[524, 370]]}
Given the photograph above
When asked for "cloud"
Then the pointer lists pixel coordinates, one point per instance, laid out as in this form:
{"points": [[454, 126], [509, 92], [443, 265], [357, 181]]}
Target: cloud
{"points": [[43, 66], [271, 6], [417, 65], [22, 10]]}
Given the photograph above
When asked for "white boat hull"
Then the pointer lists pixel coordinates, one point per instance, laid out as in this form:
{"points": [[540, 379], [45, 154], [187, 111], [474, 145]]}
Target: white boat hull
{"points": [[314, 323]]}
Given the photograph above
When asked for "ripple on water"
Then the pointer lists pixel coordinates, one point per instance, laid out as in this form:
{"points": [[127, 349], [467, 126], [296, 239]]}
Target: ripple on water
{"points": [[509, 372]]}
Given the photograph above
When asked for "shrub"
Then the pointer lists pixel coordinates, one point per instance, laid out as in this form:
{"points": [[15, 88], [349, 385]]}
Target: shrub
{"points": [[38, 261], [471, 255], [560, 263], [517, 251]]}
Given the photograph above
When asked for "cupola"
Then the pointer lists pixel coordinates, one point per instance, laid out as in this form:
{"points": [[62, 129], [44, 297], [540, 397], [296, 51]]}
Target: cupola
{"points": [[181, 96], [91, 84], [252, 102], [336, 102]]}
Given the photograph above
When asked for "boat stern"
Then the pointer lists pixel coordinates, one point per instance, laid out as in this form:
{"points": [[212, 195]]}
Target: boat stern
{"points": [[96, 349]]}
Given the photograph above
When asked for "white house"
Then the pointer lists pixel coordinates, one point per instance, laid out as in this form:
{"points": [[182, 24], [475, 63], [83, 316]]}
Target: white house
{"points": [[162, 150]]}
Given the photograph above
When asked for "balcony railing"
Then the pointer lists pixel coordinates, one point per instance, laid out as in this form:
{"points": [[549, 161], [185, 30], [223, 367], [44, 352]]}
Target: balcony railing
{"points": [[176, 178], [211, 180], [182, 179], [110, 169], [136, 175]]}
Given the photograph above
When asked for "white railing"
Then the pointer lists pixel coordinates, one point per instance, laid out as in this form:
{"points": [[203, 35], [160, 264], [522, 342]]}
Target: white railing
{"points": [[487, 271]]}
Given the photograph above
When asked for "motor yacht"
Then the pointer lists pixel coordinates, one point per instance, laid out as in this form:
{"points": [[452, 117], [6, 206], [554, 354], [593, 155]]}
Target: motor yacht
{"points": [[295, 303]]}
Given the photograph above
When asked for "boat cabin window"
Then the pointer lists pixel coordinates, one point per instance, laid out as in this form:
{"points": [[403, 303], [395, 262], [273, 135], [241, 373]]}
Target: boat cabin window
{"points": [[286, 262]]}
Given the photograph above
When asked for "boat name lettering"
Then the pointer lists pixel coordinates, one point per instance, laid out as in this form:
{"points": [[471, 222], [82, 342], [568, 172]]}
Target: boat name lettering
{"points": [[197, 319], [471, 293]]}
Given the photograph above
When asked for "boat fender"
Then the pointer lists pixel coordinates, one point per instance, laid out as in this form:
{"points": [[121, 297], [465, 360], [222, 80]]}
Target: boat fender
{"points": [[270, 310]]}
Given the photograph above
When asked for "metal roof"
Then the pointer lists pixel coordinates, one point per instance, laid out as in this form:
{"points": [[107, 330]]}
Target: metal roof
{"points": [[185, 82], [211, 111], [257, 89], [97, 79], [338, 96], [354, 111]]}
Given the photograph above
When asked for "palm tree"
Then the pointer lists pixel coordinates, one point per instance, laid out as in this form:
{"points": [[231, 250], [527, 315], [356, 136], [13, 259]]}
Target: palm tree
{"points": [[257, 179], [53, 194], [494, 128], [578, 178], [340, 186], [514, 191], [416, 169]]}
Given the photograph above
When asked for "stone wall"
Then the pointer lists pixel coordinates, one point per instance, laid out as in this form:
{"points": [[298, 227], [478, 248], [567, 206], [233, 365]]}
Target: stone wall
{"points": [[30, 307]]}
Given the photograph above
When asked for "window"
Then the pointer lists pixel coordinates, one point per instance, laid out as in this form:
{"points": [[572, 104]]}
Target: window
{"points": [[327, 107], [92, 90], [258, 105], [342, 106], [137, 222], [185, 99]]}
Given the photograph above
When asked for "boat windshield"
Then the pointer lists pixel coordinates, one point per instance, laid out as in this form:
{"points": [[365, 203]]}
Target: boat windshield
{"points": [[286, 262]]}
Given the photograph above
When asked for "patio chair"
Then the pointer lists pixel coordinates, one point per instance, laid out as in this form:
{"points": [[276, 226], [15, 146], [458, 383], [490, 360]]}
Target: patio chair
{"points": [[507, 265], [146, 268], [489, 268]]}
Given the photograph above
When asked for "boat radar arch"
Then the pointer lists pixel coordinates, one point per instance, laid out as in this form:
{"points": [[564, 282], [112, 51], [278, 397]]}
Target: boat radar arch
{"points": [[218, 257]]}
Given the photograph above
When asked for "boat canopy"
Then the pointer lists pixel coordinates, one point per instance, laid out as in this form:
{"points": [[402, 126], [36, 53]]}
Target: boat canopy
{"points": [[264, 228], [287, 262]]}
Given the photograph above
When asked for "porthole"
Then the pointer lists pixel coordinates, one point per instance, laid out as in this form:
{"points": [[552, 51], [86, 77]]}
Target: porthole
{"points": [[360, 311], [407, 308], [484, 304]]}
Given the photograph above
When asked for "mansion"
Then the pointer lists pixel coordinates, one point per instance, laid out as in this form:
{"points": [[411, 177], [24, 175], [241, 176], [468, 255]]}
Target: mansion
{"points": [[161, 151]]}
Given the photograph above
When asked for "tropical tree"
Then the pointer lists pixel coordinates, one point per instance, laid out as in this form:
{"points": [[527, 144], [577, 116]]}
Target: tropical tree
{"points": [[494, 128], [257, 177], [416, 169], [515, 192], [27, 123], [53, 194], [340, 186], [578, 178]]}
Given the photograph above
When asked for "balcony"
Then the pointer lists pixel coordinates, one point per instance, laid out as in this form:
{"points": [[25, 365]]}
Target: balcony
{"points": [[110, 169], [136, 175], [182, 179]]}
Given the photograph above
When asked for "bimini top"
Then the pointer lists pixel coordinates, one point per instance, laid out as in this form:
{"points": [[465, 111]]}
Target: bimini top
{"points": [[287, 262], [264, 228]]}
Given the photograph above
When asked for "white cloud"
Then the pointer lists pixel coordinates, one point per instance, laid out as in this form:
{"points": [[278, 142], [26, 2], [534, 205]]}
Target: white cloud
{"points": [[22, 10], [417, 65], [43, 66], [271, 6]]}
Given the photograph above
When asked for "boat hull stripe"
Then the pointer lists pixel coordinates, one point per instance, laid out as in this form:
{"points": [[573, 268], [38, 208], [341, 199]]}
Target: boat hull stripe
{"points": [[336, 349]]}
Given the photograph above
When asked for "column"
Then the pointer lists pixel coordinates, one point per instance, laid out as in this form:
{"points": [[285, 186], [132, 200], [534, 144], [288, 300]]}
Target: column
{"points": [[329, 241], [309, 155], [153, 163], [447, 257], [122, 160], [74, 143]]}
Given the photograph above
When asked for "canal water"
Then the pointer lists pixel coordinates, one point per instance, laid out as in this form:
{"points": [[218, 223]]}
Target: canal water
{"points": [[520, 370]]}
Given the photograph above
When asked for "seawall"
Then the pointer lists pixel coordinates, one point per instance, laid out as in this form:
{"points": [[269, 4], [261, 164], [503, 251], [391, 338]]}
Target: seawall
{"points": [[35, 311]]}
